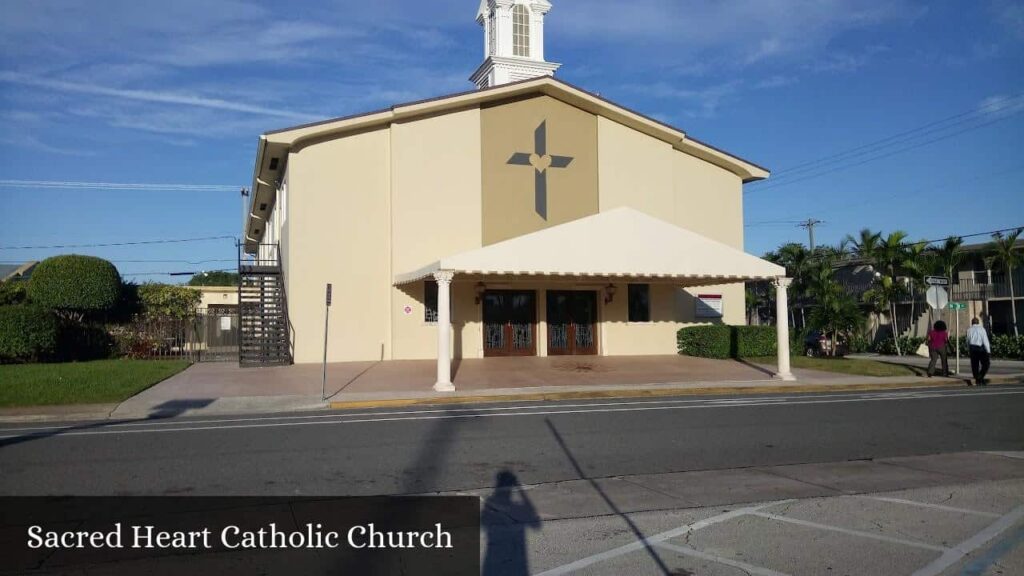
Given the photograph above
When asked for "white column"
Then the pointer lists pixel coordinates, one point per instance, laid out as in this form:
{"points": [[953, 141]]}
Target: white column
{"points": [[782, 327], [444, 331]]}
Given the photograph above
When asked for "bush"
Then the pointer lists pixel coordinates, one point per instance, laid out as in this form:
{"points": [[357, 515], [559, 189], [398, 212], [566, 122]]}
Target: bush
{"points": [[27, 333], [12, 293], [1007, 346], [705, 341], [720, 341], [168, 301], [754, 341], [908, 345], [859, 344], [75, 285], [80, 342]]}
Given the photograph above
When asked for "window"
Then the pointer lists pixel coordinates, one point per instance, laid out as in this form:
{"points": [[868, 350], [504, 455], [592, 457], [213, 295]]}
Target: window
{"points": [[639, 303], [430, 301], [520, 31]]}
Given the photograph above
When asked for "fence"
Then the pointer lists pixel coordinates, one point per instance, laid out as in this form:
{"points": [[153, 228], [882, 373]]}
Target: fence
{"points": [[211, 335]]}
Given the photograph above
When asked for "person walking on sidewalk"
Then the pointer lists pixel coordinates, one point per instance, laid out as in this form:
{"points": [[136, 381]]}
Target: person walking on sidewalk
{"points": [[938, 340], [980, 349]]}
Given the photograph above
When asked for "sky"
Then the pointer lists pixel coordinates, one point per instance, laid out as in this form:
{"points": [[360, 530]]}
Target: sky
{"points": [[886, 114]]}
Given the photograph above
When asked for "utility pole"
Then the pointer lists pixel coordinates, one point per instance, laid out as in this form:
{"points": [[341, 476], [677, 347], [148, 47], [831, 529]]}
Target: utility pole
{"points": [[810, 224], [245, 210]]}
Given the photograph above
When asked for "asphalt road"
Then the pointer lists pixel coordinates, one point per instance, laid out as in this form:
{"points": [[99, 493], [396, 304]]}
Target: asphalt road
{"points": [[431, 449]]}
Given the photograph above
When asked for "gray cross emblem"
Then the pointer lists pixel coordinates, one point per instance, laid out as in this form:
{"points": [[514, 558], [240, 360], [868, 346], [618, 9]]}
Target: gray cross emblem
{"points": [[541, 161]]}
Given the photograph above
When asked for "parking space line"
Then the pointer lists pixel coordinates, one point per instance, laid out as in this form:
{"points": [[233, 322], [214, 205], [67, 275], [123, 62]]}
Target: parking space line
{"points": [[851, 532], [748, 568], [953, 555], [656, 539], [926, 505]]}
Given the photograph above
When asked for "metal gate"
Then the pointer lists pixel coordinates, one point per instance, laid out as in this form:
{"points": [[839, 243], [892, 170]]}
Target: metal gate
{"points": [[210, 335], [216, 333]]}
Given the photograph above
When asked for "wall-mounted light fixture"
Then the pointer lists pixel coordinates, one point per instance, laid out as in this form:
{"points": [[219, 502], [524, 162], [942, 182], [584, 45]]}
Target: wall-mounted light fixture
{"points": [[609, 293], [480, 288]]}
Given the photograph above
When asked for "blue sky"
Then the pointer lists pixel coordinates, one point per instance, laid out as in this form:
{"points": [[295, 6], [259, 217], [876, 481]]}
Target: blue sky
{"points": [[138, 91]]}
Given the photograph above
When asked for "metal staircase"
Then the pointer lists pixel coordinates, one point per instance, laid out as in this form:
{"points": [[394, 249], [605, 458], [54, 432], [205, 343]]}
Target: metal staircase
{"points": [[262, 310]]}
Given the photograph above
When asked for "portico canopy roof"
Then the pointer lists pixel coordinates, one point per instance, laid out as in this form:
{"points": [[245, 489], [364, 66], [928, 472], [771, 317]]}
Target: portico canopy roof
{"points": [[622, 242]]}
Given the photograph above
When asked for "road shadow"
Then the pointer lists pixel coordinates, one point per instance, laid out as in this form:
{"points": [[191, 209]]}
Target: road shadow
{"points": [[169, 409], [506, 516], [757, 367], [604, 496]]}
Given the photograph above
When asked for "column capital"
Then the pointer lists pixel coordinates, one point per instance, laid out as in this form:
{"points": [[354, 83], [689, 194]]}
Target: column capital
{"points": [[444, 276], [782, 282]]}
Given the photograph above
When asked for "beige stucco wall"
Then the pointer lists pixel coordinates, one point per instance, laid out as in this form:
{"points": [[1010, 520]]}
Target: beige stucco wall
{"points": [[338, 233], [363, 207], [508, 190], [436, 206]]}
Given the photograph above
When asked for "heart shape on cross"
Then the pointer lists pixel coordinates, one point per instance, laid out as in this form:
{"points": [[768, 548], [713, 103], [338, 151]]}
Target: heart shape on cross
{"points": [[541, 163]]}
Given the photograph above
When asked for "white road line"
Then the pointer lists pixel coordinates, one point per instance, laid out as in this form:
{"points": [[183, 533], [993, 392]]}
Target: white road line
{"points": [[653, 540], [748, 568], [343, 419], [926, 505], [746, 400], [953, 555], [860, 533]]}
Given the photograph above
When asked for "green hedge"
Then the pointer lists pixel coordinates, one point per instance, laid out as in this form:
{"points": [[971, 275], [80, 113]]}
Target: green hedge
{"points": [[27, 333], [720, 341], [908, 345], [74, 283]]}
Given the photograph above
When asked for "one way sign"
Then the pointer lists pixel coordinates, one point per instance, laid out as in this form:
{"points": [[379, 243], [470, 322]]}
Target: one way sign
{"points": [[936, 280]]}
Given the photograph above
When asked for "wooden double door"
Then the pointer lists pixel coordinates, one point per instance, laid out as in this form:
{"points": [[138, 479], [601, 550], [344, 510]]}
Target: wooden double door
{"points": [[572, 322], [510, 322]]}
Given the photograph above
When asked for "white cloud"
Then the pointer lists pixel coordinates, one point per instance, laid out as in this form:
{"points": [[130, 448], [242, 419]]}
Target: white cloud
{"points": [[1001, 105], [155, 96]]}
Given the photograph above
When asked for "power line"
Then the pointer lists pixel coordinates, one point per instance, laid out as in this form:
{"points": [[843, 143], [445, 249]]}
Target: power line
{"points": [[67, 184], [185, 273], [883, 156], [962, 118], [138, 243]]}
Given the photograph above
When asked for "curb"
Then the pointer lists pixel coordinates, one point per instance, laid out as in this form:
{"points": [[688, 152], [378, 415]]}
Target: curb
{"points": [[651, 393]]}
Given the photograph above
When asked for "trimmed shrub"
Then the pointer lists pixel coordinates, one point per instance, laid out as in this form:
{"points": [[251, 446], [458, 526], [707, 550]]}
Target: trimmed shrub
{"points": [[720, 341], [75, 285], [12, 293], [80, 342], [27, 333], [705, 341], [754, 341]]}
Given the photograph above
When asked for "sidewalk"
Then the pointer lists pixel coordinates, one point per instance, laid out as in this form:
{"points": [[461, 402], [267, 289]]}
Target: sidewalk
{"points": [[154, 404]]}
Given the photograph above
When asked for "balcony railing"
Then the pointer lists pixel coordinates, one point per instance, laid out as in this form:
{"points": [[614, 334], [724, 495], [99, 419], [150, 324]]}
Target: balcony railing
{"points": [[963, 290]]}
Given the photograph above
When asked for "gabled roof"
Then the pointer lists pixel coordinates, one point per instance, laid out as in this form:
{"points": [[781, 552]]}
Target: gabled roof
{"points": [[277, 143], [617, 243]]}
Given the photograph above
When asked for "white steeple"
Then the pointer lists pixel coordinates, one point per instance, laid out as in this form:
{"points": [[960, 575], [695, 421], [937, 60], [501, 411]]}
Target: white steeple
{"points": [[513, 42]]}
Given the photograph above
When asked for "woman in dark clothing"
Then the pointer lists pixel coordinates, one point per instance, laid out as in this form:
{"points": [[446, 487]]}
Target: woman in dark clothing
{"points": [[938, 339]]}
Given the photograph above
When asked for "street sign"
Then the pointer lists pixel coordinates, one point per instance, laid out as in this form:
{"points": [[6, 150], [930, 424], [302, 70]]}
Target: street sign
{"points": [[957, 305], [937, 297], [329, 294], [936, 280]]}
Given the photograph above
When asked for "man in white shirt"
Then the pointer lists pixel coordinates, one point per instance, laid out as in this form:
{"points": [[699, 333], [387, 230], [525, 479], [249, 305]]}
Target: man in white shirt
{"points": [[980, 349]]}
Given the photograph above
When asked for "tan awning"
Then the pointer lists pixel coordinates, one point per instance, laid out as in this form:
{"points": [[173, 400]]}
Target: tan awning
{"points": [[618, 243]]}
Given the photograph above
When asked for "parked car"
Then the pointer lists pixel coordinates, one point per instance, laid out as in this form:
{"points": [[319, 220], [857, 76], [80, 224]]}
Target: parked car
{"points": [[818, 343]]}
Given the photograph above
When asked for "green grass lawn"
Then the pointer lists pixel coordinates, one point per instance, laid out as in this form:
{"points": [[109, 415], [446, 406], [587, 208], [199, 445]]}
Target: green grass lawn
{"points": [[97, 382], [846, 366]]}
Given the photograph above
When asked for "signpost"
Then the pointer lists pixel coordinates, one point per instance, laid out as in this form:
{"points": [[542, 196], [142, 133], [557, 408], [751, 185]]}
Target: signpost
{"points": [[957, 307], [327, 317]]}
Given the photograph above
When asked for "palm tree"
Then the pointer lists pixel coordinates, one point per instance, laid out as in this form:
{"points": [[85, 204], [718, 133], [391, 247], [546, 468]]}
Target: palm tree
{"points": [[865, 244], [889, 257], [796, 260], [836, 312], [1007, 254], [950, 254], [917, 265]]}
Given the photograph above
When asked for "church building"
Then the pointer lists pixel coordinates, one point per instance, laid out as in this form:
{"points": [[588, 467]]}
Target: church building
{"points": [[527, 217]]}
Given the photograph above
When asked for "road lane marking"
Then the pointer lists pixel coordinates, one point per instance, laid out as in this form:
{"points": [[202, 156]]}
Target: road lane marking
{"points": [[748, 568], [655, 539], [851, 532], [926, 505], [954, 554], [345, 419], [745, 401]]}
